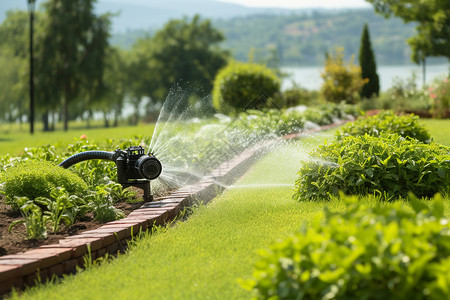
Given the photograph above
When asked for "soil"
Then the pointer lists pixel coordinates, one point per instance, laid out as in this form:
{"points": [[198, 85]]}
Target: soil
{"points": [[16, 241]]}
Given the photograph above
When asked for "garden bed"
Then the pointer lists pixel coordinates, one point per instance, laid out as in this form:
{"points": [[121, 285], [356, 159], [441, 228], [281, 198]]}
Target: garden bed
{"points": [[16, 241]]}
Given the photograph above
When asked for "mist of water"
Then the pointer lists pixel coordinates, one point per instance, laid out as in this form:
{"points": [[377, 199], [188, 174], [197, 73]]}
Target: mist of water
{"points": [[190, 143]]}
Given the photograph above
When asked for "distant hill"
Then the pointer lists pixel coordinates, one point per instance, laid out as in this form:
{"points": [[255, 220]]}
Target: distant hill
{"points": [[302, 38], [150, 14]]}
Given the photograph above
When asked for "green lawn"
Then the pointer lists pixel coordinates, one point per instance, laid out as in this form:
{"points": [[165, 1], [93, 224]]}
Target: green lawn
{"points": [[13, 140], [439, 130]]}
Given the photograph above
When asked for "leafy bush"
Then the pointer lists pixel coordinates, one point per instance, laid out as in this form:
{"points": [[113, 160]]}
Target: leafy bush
{"points": [[388, 165], [365, 252], [406, 126], [244, 85], [34, 179], [296, 95], [342, 81], [103, 204]]}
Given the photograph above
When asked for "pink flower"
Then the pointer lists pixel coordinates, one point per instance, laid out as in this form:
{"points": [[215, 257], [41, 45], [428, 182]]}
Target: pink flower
{"points": [[445, 80], [433, 96], [430, 89], [83, 137]]}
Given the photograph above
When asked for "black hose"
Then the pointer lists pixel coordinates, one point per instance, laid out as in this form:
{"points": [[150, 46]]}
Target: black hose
{"points": [[79, 157]]}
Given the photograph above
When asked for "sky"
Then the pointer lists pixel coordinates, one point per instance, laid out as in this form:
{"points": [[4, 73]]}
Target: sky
{"points": [[303, 3]]}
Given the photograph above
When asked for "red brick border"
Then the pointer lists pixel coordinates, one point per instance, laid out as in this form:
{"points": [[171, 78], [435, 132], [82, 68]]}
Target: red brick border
{"points": [[22, 269]]}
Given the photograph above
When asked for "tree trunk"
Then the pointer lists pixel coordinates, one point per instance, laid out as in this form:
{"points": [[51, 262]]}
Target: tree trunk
{"points": [[66, 108], [116, 119], [52, 128], [88, 119], [105, 117], [45, 121], [424, 82]]}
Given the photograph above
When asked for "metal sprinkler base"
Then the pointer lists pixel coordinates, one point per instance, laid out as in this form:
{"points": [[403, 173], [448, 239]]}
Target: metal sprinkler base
{"points": [[143, 185]]}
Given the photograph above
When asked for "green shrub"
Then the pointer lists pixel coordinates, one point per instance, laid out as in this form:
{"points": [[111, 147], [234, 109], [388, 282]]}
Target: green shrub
{"points": [[342, 80], [34, 179], [365, 252], [406, 126], [244, 85], [388, 165], [297, 95]]}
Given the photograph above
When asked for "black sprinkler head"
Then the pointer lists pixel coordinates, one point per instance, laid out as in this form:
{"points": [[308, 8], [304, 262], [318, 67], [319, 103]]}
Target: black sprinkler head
{"points": [[134, 164], [134, 167]]}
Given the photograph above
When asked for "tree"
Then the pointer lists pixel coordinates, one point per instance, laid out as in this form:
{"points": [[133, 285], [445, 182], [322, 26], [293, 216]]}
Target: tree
{"points": [[13, 65], [72, 54], [433, 24], [13, 85], [342, 81], [184, 53], [111, 100], [368, 66]]}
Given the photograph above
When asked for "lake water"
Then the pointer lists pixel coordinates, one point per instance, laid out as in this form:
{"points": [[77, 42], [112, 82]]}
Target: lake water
{"points": [[309, 77]]}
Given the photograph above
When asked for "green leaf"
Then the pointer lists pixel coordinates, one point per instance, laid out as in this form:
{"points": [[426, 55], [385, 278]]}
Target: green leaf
{"points": [[438, 206], [416, 204]]}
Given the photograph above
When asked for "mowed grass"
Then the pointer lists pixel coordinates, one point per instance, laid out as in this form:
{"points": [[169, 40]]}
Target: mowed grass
{"points": [[14, 140], [439, 130]]}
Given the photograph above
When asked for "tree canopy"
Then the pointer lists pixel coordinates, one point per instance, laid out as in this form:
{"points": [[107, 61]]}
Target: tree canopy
{"points": [[72, 54], [184, 52], [433, 24]]}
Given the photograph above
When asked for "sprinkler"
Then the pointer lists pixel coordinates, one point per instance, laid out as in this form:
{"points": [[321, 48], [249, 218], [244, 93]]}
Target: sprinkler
{"points": [[134, 167]]}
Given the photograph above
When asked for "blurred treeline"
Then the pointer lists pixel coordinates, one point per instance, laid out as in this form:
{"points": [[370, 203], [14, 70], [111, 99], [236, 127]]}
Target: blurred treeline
{"points": [[79, 75]]}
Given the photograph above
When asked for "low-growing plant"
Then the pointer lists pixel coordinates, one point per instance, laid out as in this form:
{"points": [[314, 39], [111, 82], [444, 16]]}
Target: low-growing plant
{"points": [[62, 208], [118, 193], [406, 126], [365, 252], [35, 178], [33, 218], [102, 205], [388, 165]]}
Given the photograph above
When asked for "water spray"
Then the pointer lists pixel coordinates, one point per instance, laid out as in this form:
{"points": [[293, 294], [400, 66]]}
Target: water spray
{"points": [[134, 167]]}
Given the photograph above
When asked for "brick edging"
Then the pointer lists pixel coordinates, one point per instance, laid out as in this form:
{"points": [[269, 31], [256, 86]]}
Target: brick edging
{"points": [[22, 269]]}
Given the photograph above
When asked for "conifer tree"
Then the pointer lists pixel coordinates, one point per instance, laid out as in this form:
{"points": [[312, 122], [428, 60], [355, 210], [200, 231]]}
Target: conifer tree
{"points": [[368, 66]]}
